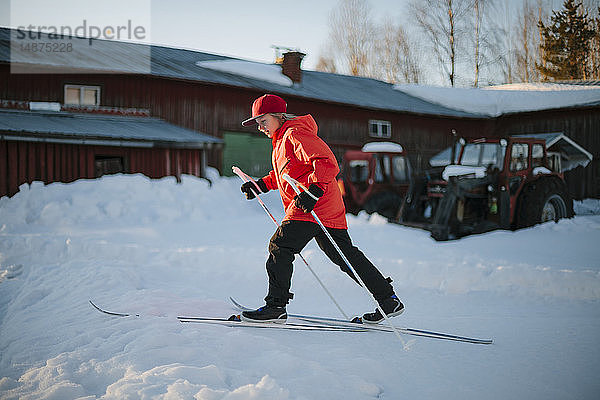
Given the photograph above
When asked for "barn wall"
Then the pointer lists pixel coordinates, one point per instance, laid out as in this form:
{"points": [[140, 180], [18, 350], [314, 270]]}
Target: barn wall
{"points": [[24, 162], [213, 110]]}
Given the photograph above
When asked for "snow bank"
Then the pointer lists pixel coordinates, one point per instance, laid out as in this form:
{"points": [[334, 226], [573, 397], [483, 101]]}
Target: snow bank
{"points": [[587, 207], [121, 200], [162, 249]]}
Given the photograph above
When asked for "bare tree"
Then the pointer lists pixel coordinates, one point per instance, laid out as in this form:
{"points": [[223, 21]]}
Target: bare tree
{"points": [[351, 30], [592, 7], [520, 40], [506, 46], [442, 22], [527, 38], [478, 19], [358, 46], [485, 37], [394, 59], [326, 64]]}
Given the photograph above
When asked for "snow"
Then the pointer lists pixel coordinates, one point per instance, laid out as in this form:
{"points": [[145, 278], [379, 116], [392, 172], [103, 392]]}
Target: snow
{"points": [[541, 170], [44, 106], [163, 249], [458, 170], [265, 72], [497, 100], [382, 147]]}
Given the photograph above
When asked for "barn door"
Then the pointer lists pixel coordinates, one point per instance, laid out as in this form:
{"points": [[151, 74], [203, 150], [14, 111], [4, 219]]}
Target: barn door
{"points": [[249, 151]]}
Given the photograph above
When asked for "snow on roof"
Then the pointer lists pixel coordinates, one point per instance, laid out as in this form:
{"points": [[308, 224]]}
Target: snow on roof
{"points": [[382, 147], [265, 72], [503, 99], [541, 86]]}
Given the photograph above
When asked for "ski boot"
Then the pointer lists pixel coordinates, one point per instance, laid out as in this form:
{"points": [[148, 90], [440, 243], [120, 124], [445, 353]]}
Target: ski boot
{"points": [[392, 307], [266, 314]]}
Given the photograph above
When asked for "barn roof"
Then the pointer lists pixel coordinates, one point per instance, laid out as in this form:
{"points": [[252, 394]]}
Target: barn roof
{"points": [[98, 129], [95, 55], [107, 56]]}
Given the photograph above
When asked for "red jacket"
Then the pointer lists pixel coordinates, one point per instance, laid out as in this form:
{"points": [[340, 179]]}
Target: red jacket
{"points": [[299, 152]]}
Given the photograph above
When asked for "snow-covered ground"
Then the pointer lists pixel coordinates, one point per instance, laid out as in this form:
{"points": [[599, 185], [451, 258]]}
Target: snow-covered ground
{"points": [[163, 249]]}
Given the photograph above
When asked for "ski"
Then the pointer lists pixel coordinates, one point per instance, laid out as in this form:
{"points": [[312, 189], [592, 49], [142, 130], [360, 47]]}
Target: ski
{"points": [[117, 314], [308, 322], [376, 327], [235, 321]]}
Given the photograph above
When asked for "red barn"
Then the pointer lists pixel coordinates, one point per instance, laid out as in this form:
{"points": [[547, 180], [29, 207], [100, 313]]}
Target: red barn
{"points": [[209, 95]]}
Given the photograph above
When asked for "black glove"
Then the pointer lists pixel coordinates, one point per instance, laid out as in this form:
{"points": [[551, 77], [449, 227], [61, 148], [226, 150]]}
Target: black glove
{"points": [[305, 201], [249, 188]]}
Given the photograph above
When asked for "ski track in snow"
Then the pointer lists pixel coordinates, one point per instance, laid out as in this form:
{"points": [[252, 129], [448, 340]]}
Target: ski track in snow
{"points": [[163, 249]]}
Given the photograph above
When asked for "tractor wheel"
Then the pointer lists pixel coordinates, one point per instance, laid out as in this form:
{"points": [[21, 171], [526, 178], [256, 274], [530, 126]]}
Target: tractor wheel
{"points": [[386, 204], [542, 201], [554, 208]]}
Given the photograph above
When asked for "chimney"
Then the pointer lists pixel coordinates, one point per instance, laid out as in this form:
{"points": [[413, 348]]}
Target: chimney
{"points": [[290, 65]]}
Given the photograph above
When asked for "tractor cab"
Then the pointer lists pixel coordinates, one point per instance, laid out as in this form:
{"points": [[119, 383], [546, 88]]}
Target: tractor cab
{"points": [[375, 178]]}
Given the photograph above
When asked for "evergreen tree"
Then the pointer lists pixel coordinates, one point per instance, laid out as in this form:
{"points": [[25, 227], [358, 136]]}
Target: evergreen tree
{"points": [[565, 43]]}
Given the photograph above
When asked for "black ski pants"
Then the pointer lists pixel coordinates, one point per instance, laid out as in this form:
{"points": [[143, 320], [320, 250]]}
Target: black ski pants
{"points": [[292, 236]]}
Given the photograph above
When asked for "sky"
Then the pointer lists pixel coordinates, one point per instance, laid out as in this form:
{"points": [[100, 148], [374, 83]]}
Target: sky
{"points": [[239, 28]]}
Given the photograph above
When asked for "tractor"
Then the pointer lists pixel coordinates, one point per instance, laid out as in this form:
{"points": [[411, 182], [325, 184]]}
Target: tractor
{"points": [[486, 184], [375, 179]]}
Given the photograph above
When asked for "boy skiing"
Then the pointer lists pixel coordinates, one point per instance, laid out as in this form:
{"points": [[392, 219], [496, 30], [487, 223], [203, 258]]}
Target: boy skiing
{"points": [[300, 153]]}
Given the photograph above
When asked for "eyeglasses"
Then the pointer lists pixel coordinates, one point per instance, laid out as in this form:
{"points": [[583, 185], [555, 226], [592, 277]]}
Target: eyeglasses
{"points": [[262, 122]]}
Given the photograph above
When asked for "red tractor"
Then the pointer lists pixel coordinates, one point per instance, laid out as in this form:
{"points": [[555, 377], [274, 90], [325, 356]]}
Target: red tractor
{"points": [[494, 183], [375, 178]]}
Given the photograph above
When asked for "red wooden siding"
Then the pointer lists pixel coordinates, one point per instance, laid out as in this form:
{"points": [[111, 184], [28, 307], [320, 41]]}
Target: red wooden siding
{"points": [[25, 162]]}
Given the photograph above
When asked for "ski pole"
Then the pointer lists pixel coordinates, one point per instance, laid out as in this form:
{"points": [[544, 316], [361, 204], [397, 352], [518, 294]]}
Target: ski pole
{"points": [[294, 184], [244, 177]]}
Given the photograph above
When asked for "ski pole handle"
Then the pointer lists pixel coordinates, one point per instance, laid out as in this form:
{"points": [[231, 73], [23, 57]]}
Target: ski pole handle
{"points": [[294, 183], [243, 176]]}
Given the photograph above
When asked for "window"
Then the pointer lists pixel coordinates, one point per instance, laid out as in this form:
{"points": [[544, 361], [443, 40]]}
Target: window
{"points": [[82, 95], [400, 169], [359, 171], [554, 162], [382, 168], [381, 129], [537, 156], [489, 155], [106, 165], [471, 155], [492, 155], [518, 156]]}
